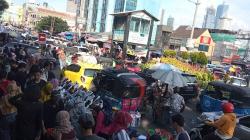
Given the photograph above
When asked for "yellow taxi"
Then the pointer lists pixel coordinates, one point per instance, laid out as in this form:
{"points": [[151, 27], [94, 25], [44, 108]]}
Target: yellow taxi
{"points": [[82, 73]]}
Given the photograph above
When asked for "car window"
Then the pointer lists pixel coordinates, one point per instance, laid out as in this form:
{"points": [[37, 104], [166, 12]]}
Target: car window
{"points": [[90, 72], [83, 50], [190, 79], [245, 121], [73, 68]]}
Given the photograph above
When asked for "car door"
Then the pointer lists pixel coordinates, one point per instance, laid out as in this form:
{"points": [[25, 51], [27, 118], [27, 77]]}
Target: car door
{"points": [[242, 130]]}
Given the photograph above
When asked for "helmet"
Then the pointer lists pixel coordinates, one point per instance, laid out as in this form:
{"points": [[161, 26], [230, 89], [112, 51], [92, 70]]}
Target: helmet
{"points": [[227, 107]]}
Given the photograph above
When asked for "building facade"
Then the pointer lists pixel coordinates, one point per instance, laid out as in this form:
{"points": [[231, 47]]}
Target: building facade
{"points": [[125, 5], [170, 23], [71, 6], [209, 18], [32, 14], [223, 22]]}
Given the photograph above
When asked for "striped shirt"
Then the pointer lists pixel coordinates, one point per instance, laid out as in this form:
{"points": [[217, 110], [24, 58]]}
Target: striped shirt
{"points": [[121, 135]]}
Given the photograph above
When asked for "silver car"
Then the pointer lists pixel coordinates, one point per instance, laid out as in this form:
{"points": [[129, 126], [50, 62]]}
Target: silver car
{"points": [[242, 130]]}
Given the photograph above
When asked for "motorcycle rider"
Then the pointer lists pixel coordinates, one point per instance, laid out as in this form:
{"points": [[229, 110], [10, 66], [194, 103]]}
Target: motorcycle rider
{"points": [[225, 125]]}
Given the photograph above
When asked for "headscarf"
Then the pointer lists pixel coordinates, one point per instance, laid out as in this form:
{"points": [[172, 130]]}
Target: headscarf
{"points": [[46, 92], [121, 121], [55, 83], [63, 124]]}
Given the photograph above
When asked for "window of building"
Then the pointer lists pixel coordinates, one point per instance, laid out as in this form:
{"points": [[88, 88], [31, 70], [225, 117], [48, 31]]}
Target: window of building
{"points": [[144, 26], [131, 5], [119, 5], [135, 24], [203, 48]]}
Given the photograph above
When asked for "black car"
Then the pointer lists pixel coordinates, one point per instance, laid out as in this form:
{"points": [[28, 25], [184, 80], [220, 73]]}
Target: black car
{"points": [[192, 90]]}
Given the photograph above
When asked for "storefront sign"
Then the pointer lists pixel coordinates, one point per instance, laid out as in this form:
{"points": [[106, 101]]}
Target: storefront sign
{"points": [[205, 40]]}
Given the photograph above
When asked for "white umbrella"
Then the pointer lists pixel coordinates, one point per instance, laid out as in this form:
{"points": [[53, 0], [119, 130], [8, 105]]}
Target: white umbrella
{"points": [[165, 67], [171, 77]]}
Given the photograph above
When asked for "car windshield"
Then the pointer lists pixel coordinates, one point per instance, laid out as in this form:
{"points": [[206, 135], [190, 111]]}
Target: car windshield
{"points": [[73, 67], [83, 50], [190, 79], [90, 72], [239, 82]]}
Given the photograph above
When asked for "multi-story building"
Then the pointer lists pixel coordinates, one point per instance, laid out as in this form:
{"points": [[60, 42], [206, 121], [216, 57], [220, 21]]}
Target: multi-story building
{"points": [[222, 22], [209, 18], [32, 13], [170, 23], [71, 6], [125, 5]]}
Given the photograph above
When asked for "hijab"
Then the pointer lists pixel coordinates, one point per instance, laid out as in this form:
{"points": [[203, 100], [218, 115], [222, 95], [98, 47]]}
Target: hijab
{"points": [[63, 124], [121, 121]]}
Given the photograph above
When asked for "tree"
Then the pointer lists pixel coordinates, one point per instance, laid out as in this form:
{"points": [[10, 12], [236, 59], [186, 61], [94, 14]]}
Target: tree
{"points": [[47, 22], [169, 53], [194, 57], [3, 6], [202, 58], [185, 55]]}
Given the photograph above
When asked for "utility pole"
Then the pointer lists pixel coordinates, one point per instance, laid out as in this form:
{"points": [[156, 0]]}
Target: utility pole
{"points": [[197, 3], [52, 25]]}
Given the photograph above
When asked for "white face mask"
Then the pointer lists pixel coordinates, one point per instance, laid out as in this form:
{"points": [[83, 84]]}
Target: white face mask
{"points": [[7, 68]]}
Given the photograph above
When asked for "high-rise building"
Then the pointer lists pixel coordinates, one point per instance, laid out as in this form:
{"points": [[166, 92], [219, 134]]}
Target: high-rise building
{"points": [[209, 18], [222, 18], [71, 6], [170, 23], [125, 5]]}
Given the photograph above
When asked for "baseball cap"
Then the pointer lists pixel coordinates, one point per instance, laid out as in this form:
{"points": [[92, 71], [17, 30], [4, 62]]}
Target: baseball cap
{"points": [[86, 120]]}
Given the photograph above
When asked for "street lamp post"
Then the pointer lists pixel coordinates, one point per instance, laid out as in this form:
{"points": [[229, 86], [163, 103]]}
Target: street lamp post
{"points": [[197, 3]]}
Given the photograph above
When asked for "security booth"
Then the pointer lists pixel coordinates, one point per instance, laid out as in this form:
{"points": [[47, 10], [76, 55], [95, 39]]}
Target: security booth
{"points": [[132, 29]]}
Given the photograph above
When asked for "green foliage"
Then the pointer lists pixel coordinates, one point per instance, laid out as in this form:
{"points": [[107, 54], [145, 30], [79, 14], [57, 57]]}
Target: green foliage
{"points": [[202, 58], [199, 57], [194, 57], [185, 55], [59, 24], [169, 53], [3, 5]]}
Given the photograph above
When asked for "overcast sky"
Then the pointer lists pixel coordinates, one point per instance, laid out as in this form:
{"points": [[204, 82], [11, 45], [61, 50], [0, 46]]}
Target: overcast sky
{"points": [[183, 10]]}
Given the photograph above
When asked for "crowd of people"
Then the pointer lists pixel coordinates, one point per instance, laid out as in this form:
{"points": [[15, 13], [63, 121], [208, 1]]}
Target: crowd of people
{"points": [[31, 110]]}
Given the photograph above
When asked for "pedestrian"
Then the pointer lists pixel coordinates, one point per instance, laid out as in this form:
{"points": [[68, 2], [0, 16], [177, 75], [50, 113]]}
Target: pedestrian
{"points": [[8, 112], [47, 74], [177, 101], [87, 123], [3, 83], [35, 74], [29, 114], [63, 130], [225, 126], [120, 125], [178, 124], [50, 109], [46, 92], [21, 75]]}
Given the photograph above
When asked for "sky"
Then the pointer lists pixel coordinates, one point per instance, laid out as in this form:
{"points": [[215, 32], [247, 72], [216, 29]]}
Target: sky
{"points": [[183, 10]]}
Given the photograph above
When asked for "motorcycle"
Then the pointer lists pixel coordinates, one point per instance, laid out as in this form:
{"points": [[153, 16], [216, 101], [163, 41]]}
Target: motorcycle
{"points": [[202, 129]]}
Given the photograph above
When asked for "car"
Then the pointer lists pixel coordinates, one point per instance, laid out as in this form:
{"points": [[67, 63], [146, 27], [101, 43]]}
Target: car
{"points": [[218, 92], [82, 74], [192, 90], [238, 81], [242, 130], [31, 49]]}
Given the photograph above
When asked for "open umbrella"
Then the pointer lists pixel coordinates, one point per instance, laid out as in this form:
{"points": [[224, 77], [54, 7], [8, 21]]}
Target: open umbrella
{"points": [[170, 77], [166, 67]]}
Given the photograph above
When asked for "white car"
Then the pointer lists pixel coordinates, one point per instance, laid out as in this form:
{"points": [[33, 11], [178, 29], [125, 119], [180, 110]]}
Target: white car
{"points": [[238, 81]]}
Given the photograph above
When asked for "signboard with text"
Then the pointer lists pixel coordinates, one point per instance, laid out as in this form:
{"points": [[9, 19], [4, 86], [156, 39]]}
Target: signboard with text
{"points": [[205, 40]]}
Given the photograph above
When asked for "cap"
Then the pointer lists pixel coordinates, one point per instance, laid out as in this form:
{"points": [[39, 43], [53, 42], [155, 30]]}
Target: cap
{"points": [[86, 120]]}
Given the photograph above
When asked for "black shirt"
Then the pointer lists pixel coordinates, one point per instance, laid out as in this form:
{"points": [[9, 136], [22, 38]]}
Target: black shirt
{"points": [[29, 117], [91, 137], [41, 84]]}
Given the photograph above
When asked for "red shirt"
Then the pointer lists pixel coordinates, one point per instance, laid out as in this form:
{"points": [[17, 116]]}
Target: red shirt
{"points": [[3, 86]]}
